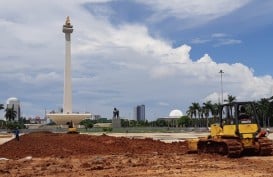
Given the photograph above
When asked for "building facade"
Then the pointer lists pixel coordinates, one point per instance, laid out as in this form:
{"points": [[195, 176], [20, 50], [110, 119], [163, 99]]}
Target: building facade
{"points": [[140, 112], [173, 118], [15, 104]]}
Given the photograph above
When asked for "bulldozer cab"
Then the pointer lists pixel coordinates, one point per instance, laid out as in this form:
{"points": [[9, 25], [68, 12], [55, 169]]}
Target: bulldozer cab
{"points": [[239, 118]]}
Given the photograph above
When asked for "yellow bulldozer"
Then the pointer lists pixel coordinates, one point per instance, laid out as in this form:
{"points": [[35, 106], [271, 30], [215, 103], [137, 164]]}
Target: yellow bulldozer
{"points": [[71, 128], [236, 133]]}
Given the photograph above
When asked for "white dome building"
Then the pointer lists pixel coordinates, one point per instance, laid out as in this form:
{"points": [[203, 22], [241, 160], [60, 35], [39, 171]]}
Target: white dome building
{"points": [[15, 104], [12, 100], [176, 113], [173, 118]]}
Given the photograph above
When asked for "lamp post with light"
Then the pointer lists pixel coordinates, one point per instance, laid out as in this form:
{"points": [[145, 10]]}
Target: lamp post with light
{"points": [[221, 72]]}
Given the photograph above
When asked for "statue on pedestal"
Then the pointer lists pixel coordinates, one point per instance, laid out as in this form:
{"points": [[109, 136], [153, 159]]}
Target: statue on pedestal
{"points": [[116, 113]]}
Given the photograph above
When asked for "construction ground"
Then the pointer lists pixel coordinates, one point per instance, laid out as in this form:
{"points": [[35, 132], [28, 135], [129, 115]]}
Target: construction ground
{"points": [[119, 154]]}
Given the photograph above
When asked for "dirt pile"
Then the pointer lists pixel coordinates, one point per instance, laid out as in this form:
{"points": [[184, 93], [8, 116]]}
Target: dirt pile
{"points": [[45, 144], [66, 155]]}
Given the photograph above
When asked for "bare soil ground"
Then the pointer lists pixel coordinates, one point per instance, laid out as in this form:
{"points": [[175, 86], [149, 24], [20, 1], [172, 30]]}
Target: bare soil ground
{"points": [[85, 155]]}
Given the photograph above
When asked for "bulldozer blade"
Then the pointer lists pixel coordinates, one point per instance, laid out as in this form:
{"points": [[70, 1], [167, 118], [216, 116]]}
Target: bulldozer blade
{"points": [[192, 145]]}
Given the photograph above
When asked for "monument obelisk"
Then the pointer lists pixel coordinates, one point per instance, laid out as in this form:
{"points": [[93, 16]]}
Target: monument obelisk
{"points": [[67, 115], [67, 102]]}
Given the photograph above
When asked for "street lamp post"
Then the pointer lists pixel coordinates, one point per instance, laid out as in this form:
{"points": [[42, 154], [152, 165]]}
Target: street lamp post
{"points": [[221, 72]]}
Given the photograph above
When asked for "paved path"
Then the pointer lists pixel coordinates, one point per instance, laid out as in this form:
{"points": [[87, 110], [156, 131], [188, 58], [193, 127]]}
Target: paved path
{"points": [[5, 138], [166, 137]]}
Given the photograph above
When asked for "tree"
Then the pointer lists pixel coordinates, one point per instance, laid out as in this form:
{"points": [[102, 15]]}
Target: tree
{"points": [[264, 111], [215, 111], [2, 124], [184, 121], [207, 109], [196, 110], [161, 123], [10, 114], [132, 123], [142, 123], [87, 123], [1, 106], [190, 112], [124, 122], [230, 99]]}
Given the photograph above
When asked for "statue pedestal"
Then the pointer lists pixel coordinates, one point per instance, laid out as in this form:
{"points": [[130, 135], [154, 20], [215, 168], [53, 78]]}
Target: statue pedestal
{"points": [[116, 123], [62, 119]]}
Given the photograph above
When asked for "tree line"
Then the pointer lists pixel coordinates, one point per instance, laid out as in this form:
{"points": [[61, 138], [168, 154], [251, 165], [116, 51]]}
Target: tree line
{"points": [[10, 115], [208, 112], [197, 115]]}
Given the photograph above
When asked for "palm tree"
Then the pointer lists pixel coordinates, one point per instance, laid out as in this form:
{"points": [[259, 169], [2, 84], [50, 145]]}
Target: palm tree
{"points": [[208, 108], [1, 106], [230, 100], [264, 110], [10, 114], [196, 110], [190, 111], [270, 113], [215, 111]]}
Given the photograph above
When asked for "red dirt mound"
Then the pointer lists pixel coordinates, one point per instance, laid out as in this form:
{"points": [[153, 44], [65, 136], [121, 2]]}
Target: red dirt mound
{"points": [[45, 144], [66, 155]]}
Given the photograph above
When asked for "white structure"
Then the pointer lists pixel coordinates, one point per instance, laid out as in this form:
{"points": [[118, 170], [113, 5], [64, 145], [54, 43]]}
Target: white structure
{"points": [[67, 115], [67, 104], [176, 113], [173, 117], [15, 104]]}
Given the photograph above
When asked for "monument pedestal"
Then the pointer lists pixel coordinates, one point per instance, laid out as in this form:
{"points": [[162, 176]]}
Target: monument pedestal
{"points": [[116, 123], [62, 119]]}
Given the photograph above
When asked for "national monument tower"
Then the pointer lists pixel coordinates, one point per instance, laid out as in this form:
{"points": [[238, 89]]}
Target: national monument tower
{"points": [[67, 115]]}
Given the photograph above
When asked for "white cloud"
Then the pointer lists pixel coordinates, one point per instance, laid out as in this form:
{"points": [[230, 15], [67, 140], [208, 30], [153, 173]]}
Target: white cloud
{"points": [[228, 42], [197, 11], [199, 41], [162, 71], [197, 7], [214, 97], [163, 104], [205, 59], [218, 39], [219, 35]]}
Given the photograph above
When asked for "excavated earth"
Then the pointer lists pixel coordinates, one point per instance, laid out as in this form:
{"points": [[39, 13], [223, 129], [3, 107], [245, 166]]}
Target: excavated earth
{"points": [[56, 154]]}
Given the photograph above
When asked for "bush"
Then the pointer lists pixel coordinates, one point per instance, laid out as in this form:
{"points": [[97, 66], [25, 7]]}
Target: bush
{"points": [[107, 129], [14, 125], [87, 123]]}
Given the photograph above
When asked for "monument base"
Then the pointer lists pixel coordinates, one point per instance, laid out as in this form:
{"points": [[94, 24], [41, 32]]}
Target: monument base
{"points": [[62, 119], [116, 123]]}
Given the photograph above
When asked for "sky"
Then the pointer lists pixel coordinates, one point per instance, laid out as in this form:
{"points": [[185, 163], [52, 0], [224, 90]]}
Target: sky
{"points": [[163, 54]]}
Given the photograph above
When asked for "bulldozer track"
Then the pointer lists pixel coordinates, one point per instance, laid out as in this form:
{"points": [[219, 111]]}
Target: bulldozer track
{"points": [[234, 148], [266, 146], [229, 147]]}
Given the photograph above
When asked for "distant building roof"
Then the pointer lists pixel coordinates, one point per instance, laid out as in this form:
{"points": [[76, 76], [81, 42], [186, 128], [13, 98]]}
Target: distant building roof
{"points": [[175, 113], [12, 99]]}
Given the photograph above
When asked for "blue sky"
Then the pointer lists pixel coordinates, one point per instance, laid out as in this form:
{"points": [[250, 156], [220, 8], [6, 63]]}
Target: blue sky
{"points": [[164, 54]]}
